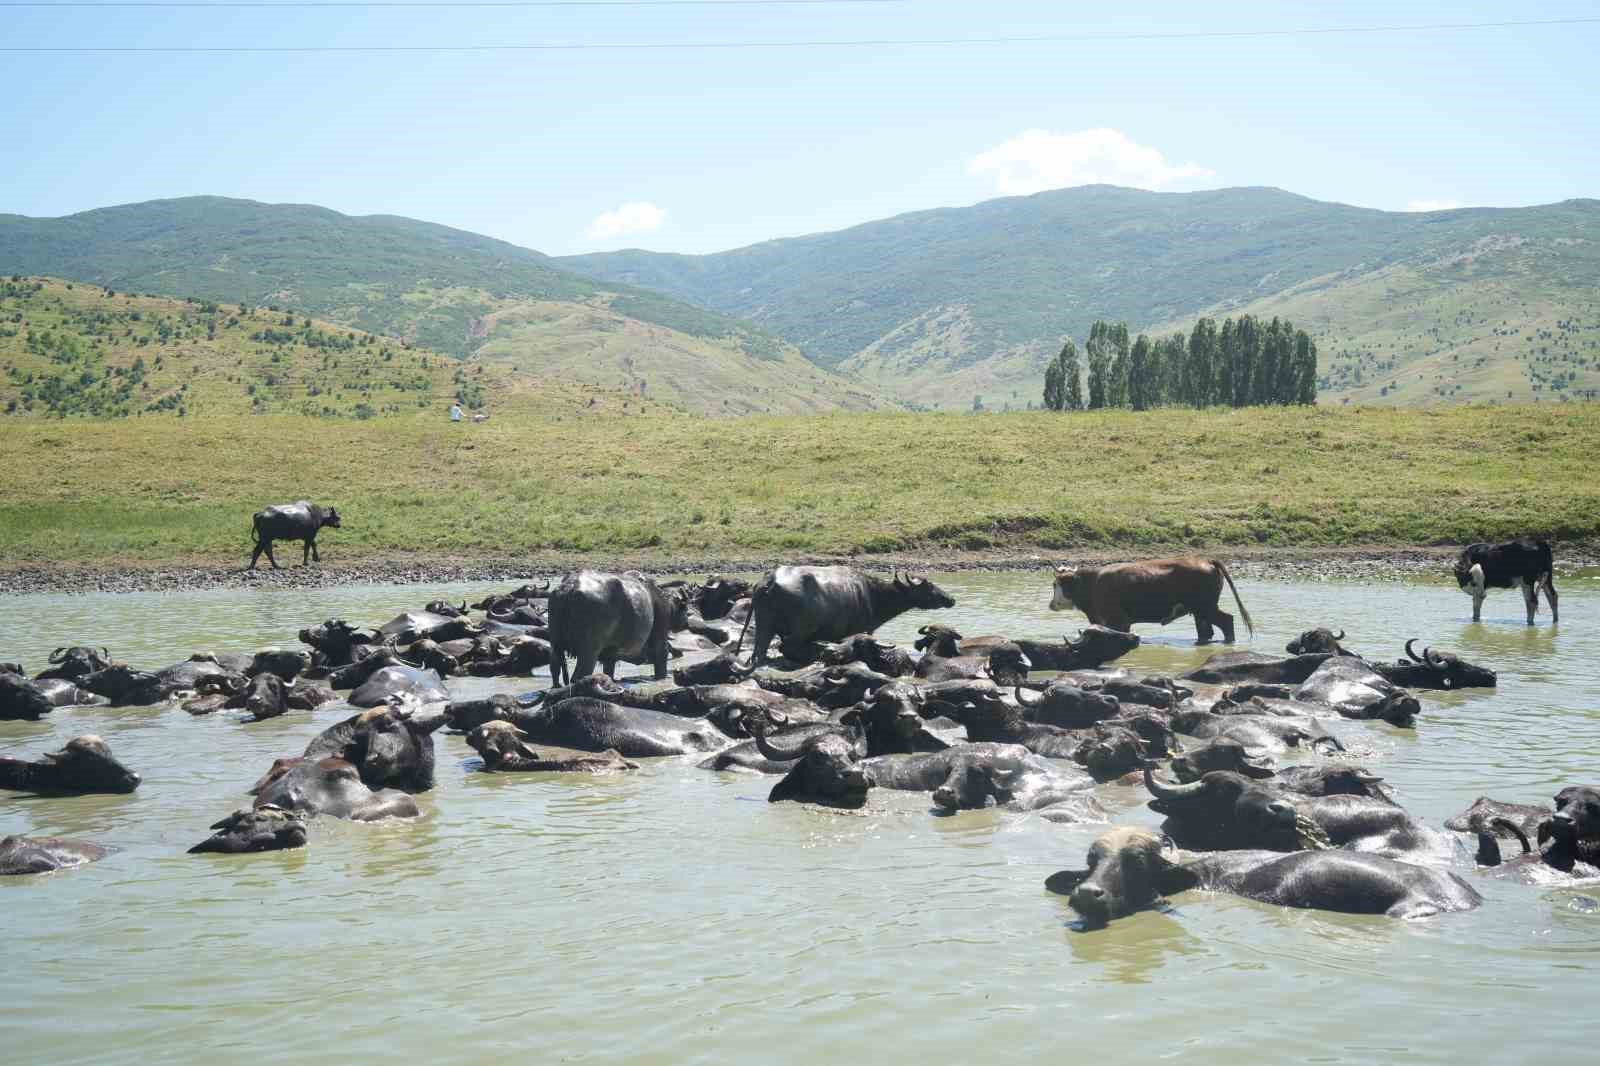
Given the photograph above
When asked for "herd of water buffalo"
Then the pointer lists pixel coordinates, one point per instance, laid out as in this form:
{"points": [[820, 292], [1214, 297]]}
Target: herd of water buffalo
{"points": [[837, 713]]}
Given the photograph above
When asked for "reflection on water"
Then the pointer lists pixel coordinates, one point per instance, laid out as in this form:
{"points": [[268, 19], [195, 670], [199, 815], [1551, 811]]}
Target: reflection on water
{"points": [[673, 914]]}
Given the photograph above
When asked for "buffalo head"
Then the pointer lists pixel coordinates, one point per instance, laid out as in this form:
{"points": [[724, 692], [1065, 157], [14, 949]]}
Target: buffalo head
{"points": [[264, 828], [1450, 671], [825, 773], [1007, 665], [1219, 754], [69, 663], [935, 639], [1577, 815], [1128, 870], [1316, 641], [921, 593], [1227, 810], [87, 765]]}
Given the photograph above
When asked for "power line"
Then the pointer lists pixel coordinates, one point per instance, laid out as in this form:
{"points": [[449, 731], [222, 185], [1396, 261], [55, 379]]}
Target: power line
{"points": [[430, 3], [882, 42]]}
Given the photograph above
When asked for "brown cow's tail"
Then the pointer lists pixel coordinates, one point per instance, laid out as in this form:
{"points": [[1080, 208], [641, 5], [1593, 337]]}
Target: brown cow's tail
{"points": [[1223, 570]]}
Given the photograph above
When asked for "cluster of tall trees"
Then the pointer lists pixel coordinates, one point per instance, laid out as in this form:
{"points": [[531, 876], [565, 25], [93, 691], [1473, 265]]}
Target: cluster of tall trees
{"points": [[1245, 363]]}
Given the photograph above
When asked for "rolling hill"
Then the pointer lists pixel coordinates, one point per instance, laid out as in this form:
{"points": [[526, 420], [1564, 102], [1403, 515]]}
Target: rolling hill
{"points": [[432, 287], [73, 349], [935, 307]]}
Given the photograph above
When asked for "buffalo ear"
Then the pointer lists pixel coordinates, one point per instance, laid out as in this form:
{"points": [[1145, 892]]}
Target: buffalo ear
{"points": [[1175, 877], [1063, 882], [788, 788]]}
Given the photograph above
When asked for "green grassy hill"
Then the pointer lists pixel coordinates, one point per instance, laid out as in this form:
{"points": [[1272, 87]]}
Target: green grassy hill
{"points": [[938, 306], [432, 287], [73, 349]]}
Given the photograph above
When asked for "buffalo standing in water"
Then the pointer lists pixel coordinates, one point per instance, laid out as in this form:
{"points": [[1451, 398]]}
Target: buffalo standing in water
{"points": [[604, 618], [300, 521], [800, 604]]}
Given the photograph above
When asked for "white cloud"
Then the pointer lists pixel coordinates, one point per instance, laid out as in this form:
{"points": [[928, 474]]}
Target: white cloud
{"points": [[1432, 205], [635, 217], [1035, 160]]}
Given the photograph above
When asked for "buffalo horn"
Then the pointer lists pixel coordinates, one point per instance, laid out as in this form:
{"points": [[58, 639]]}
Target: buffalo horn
{"points": [[57, 655], [1340, 636], [1410, 652], [1172, 791], [770, 750], [1024, 701]]}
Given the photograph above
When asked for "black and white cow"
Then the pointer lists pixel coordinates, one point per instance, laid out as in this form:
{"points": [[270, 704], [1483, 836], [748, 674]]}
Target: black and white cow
{"points": [[1480, 567]]}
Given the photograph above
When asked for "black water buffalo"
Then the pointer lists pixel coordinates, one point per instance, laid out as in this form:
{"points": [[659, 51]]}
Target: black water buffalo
{"points": [[1156, 590], [22, 700], [1130, 869], [991, 719], [943, 659], [333, 787], [825, 772], [604, 618], [391, 746], [65, 694], [1569, 840], [715, 598], [1064, 704], [718, 670], [410, 626], [125, 686], [1220, 753], [404, 680], [1224, 811], [813, 603], [595, 725], [266, 697], [1263, 734], [509, 656], [264, 828], [1248, 666], [1112, 749], [41, 855], [1527, 562], [338, 643], [84, 765], [505, 748], [1485, 812], [70, 663], [1314, 641], [1353, 688], [300, 521], [874, 654], [1093, 647], [1434, 669], [968, 776]]}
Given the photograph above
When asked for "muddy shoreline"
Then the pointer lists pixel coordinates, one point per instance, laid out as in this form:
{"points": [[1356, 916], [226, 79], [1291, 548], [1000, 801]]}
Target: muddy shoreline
{"points": [[1365, 563]]}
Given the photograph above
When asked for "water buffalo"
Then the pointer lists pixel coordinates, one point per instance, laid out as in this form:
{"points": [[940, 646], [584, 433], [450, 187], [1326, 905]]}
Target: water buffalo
{"points": [[1156, 590], [333, 787], [1003, 662], [602, 618], [869, 651], [410, 626], [65, 694], [266, 697], [509, 657], [1486, 812], [41, 855], [1354, 689], [300, 521], [425, 685], [1317, 641], [69, 663], [1434, 669], [21, 699], [391, 746], [825, 772], [264, 828], [1531, 563], [991, 719], [1064, 704], [125, 686], [337, 642], [1262, 734], [1225, 811], [968, 776], [595, 725], [715, 598], [718, 670], [1130, 869], [1112, 749], [1220, 753], [1569, 840], [813, 603], [504, 747], [1093, 647], [1232, 667], [84, 765]]}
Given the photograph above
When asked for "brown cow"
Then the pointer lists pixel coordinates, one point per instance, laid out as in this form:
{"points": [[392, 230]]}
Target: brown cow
{"points": [[1156, 590]]}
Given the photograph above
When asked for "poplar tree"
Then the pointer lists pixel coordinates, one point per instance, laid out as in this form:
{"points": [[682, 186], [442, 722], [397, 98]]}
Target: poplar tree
{"points": [[1072, 388], [1098, 350]]}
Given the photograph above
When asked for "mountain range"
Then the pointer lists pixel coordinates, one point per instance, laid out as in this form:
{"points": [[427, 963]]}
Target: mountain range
{"points": [[931, 309]]}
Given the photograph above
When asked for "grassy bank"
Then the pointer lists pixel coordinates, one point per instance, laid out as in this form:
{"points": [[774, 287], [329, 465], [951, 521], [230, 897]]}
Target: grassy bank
{"points": [[150, 491]]}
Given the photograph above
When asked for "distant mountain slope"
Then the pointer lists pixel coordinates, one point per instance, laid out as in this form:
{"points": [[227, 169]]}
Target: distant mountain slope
{"points": [[434, 287], [937, 306]]}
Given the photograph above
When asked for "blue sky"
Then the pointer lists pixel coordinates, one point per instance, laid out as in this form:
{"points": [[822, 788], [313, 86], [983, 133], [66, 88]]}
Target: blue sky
{"points": [[698, 150]]}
